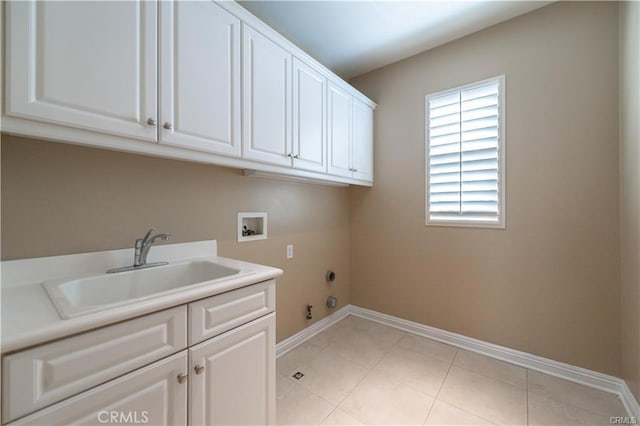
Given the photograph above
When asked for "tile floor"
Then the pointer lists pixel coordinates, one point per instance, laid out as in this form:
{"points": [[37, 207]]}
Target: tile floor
{"points": [[362, 372]]}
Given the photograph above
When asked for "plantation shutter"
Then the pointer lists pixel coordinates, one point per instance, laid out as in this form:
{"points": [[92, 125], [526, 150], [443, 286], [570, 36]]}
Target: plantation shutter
{"points": [[463, 159]]}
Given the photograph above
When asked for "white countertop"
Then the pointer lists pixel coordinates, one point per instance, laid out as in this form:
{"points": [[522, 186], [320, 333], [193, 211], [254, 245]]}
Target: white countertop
{"points": [[28, 316]]}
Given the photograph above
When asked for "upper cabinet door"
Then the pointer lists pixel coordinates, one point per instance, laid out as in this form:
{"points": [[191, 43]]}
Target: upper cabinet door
{"points": [[309, 118], [339, 131], [266, 85], [89, 65], [362, 141], [199, 77]]}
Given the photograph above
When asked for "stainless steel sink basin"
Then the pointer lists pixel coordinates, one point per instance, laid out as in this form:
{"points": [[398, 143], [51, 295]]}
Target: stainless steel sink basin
{"points": [[80, 296]]}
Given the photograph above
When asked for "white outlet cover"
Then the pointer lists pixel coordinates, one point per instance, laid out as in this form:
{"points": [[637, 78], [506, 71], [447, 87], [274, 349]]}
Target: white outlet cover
{"points": [[289, 251]]}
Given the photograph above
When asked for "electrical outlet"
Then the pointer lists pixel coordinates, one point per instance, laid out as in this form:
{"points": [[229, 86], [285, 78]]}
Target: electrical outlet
{"points": [[289, 251]]}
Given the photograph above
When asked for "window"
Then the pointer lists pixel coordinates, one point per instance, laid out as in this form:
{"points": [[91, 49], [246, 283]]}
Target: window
{"points": [[465, 155]]}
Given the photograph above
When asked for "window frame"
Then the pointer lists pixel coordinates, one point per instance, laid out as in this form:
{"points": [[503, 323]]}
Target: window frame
{"points": [[462, 223]]}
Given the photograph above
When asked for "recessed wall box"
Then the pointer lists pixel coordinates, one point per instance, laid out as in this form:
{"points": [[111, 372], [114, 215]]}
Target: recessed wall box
{"points": [[252, 226]]}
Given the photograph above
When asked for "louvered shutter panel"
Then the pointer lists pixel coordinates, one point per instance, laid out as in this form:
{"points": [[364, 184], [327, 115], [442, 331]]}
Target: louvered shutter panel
{"points": [[463, 154]]}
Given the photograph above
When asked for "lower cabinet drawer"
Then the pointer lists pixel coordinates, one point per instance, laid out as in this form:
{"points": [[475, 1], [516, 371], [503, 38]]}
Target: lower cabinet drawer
{"points": [[215, 315], [151, 395], [43, 375]]}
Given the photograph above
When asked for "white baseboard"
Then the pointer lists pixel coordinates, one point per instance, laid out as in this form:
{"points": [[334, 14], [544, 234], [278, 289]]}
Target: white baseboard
{"points": [[302, 336], [629, 401], [572, 373]]}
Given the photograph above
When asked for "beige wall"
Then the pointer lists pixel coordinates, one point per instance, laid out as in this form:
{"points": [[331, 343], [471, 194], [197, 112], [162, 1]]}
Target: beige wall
{"points": [[60, 199], [550, 283], [629, 15]]}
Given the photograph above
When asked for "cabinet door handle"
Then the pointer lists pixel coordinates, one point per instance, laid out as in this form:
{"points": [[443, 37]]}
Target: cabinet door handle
{"points": [[290, 155], [296, 156], [168, 125], [199, 368], [151, 122], [181, 378]]}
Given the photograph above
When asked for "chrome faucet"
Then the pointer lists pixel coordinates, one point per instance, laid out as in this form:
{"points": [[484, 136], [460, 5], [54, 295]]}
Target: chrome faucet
{"points": [[142, 247]]}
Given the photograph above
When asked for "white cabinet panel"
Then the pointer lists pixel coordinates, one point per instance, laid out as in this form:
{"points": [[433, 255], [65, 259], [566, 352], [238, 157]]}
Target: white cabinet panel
{"points": [[232, 376], [45, 374], [266, 96], [339, 131], [151, 395], [90, 65], [217, 314], [362, 141], [309, 118], [200, 77]]}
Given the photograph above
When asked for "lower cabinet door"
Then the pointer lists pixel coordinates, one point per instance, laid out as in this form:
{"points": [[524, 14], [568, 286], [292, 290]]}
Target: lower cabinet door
{"points": [[232, 376], [152, 395]]}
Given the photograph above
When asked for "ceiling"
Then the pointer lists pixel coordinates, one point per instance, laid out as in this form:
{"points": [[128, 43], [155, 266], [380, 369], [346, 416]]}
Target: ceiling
{"points": [[354, 37]]}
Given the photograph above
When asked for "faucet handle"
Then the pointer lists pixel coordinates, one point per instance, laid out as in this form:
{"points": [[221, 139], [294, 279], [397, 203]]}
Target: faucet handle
{"points": [[146, 237]]}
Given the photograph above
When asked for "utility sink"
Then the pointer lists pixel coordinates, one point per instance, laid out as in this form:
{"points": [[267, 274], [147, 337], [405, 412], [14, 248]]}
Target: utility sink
{"points": [[83, 295]]}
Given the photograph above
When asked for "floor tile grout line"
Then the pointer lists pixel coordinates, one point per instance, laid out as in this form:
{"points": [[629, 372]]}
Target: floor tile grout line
{"points": [[451, 365], [367, 373], [367, 369], [370, 371], [334, 408], [487, 376], [570, 405], [566, 403], [430, 355], [469, 412], [435, 398]]}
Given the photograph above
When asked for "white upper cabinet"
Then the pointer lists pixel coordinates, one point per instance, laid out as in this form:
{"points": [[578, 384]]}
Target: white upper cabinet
{"points": [[266, 85], [202, 81], [362, 141], [309, 118], [199, 77], [88, 65], [339, 131], [350, 135]]}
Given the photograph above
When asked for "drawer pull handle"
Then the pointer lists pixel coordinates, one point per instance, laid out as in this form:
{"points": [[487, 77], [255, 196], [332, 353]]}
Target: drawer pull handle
{"points": [[199, 369], [151, 122], [182, 378]]}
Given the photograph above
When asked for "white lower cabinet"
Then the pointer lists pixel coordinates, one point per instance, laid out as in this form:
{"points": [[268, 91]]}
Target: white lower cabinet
{"points": [[151, 395], [232, 380], [102, 376]]}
